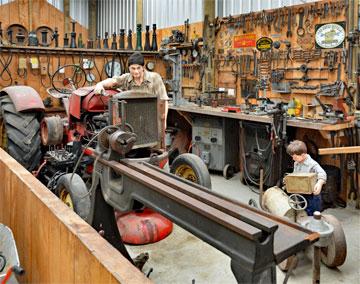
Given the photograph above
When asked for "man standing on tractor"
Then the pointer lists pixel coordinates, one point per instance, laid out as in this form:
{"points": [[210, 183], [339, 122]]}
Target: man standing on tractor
{"points": [[138, 79], [305, 164]]}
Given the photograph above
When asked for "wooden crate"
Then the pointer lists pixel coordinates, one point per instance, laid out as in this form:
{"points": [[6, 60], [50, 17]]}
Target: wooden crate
{"points": [[302, 183]]}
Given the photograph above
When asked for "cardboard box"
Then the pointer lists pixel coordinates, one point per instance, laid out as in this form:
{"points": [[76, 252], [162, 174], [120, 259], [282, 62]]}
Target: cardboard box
{"points": [[302, 183]]}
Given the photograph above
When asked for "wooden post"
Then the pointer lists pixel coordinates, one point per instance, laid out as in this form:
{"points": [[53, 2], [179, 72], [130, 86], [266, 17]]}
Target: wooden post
{"points": [[139, 12], [316, 265], [30, 5], [67, 27], [209, 44], [92, 19]]}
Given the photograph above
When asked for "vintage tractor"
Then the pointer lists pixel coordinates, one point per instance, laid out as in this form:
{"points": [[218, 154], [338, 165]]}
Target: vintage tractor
{"points": [[104, 160], [58, 150]]}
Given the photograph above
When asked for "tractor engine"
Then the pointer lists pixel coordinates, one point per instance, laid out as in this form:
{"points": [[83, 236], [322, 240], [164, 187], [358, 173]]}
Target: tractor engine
{"points": [[60, 161]]}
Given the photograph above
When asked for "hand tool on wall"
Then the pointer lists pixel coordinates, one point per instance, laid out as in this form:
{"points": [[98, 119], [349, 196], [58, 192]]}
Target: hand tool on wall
{"points": [[5, 63], [305, 55], [73, 35], [129, 40], [357, 99], [352, 39], [147, 46], [255, 71], [138, 38], [55, 37], [122, 39], [300, 30], [154, 46], [289, 32]]}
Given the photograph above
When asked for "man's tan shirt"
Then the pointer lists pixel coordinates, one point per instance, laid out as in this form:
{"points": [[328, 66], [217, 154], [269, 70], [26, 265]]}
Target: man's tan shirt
{"points": [[152, 84]]}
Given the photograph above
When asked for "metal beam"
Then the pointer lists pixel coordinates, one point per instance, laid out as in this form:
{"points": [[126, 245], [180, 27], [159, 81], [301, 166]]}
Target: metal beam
{"points": [[254, 240]]}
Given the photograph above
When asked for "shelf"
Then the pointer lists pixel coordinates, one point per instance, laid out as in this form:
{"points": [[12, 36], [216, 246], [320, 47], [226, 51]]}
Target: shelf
{"points": [[63, 50]]}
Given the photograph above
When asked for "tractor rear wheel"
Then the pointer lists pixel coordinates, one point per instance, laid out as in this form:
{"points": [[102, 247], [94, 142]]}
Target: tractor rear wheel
{"points": [[74, 193], [20, 134], [192, 168]]}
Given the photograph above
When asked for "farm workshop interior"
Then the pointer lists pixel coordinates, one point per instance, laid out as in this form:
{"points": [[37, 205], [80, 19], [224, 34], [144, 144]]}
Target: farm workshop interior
{"points": [[204, 141]]}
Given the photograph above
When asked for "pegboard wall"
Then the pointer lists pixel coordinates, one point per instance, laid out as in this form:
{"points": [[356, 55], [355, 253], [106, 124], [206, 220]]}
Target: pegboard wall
{"points": [[308, 53]]}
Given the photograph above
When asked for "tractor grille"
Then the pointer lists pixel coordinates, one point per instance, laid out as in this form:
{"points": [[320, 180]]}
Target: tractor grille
{"points": [[142, 115]]}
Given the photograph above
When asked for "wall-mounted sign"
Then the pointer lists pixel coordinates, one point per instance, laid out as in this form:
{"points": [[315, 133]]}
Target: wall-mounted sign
{"points": [[330, 35], [264, 44], [246, 40]]}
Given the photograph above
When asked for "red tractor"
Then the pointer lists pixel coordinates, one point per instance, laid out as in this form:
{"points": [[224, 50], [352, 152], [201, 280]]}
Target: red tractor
{"points": [[58, 150]]}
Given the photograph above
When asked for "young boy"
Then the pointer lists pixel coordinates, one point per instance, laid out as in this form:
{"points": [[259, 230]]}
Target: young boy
{"points": [[305, 164]]}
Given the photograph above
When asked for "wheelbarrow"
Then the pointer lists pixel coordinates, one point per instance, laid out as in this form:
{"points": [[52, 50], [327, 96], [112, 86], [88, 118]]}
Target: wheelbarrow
{"points": [[9, 258]]}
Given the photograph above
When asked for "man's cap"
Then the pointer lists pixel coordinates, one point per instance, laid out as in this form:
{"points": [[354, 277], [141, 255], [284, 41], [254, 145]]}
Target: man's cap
{"points": [[136, 58]]}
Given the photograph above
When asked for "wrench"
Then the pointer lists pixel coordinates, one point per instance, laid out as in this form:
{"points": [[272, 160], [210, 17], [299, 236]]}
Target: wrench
{"points": [[300, 30], [289, 32]]}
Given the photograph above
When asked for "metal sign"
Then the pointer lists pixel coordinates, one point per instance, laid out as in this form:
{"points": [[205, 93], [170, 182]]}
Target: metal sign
{"points": [[330, 35], [246, 40], [264, 44]]}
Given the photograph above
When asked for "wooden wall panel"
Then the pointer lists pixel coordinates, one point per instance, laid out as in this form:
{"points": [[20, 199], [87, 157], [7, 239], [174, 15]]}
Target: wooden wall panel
{"points": [[54, 244], [42, 14]]}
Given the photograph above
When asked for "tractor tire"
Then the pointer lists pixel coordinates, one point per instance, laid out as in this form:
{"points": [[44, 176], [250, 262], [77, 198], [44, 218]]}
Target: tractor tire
{"points": [[192, 168], [335, 253], [20, 134], [74, 194]]}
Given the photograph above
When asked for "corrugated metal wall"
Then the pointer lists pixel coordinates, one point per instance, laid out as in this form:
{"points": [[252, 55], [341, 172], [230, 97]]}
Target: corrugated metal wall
{"points": [[236, 7], [114, 15], [167, 13], [172, 12], [59, 4], [79, 9], [5, 1]]}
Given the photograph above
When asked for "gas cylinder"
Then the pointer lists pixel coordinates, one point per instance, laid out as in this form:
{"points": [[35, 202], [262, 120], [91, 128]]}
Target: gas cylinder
{"points": [[142, 226], [275, 200]]}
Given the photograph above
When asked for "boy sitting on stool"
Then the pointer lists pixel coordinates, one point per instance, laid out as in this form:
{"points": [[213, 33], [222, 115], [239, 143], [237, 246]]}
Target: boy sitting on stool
{"points": [[305, 164]]}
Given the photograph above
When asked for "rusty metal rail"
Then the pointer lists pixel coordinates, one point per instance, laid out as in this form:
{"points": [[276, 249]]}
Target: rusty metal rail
{"points": [[254, 240]]}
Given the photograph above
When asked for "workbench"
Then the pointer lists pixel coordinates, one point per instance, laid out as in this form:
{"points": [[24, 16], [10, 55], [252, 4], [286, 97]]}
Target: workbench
{"points": [[251, 122], [293, 122]]}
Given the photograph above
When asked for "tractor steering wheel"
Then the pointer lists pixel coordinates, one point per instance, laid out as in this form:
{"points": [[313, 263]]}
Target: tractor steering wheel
{"points": [[297, 202], [73, 77]]}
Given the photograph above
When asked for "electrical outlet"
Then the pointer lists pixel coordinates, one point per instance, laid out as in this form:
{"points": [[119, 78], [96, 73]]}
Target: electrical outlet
{"points": [[22, 62], [43, 69], [34, 62]]}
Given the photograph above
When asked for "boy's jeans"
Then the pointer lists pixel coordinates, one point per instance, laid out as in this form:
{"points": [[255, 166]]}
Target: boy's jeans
{"points": [[314, 203]]}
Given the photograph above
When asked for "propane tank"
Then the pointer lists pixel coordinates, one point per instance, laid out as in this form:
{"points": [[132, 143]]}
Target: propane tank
{"points": [[275, 200]]}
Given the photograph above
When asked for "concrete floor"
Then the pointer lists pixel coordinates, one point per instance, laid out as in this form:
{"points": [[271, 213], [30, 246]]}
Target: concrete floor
{"points": [[183, 258]]}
